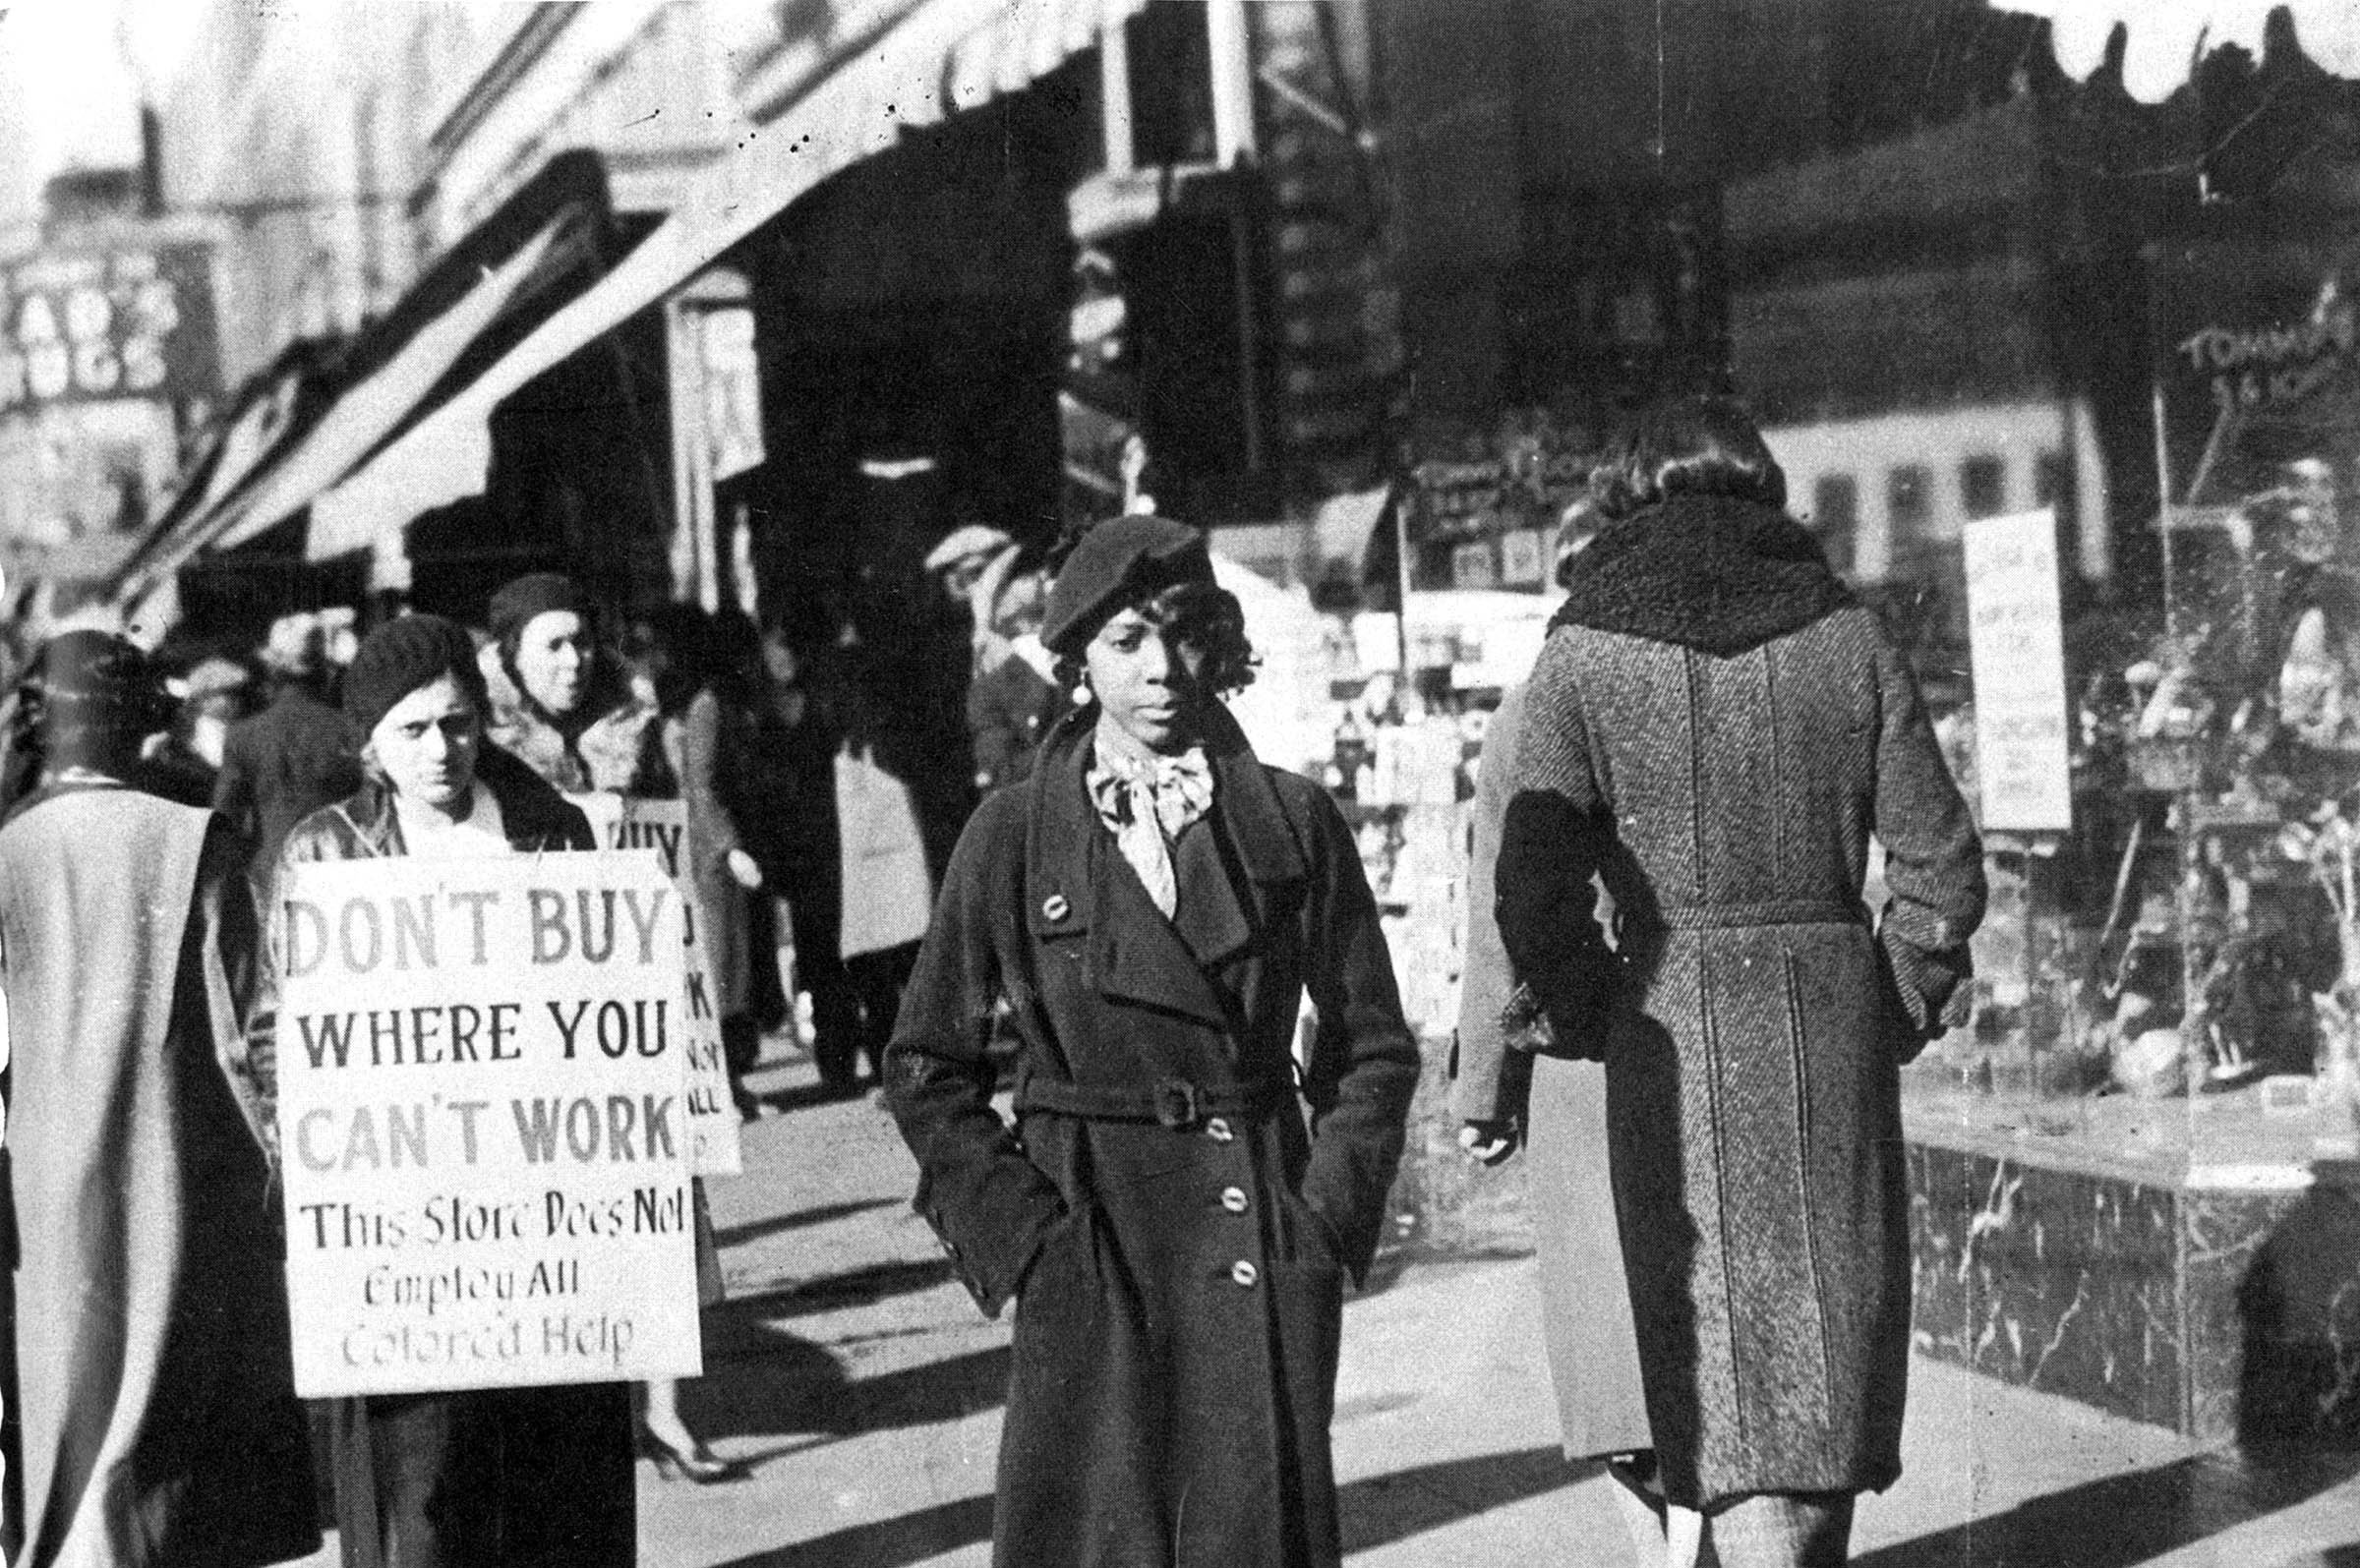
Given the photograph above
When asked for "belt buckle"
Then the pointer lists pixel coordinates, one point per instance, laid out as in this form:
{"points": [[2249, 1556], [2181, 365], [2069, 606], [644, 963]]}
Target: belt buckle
{"points": [[1177, 1104]]}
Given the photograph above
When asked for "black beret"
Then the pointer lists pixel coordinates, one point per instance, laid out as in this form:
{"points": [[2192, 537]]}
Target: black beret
{"points": [[403, 655], [534, 594], [1120, 561]]}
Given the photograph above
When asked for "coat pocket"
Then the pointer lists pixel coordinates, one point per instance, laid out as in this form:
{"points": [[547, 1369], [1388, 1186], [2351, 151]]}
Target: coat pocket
{"points": [[1312, 1238], [1053, 1263]]}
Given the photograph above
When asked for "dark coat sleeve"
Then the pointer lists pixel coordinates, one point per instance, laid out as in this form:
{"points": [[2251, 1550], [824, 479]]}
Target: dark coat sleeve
{"points": [[230, 947], [234, 795], [992, 727], [1364, 1061], [1934, 858], [990, 1205], [1551, 841]]}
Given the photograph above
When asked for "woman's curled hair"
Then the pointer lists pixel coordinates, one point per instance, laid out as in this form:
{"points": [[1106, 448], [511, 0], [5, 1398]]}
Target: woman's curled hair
{"points": [[1689, 446], [1207, 615]]}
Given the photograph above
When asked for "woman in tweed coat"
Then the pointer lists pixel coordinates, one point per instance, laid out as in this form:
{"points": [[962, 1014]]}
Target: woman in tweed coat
{"points": [[1716, 729]]}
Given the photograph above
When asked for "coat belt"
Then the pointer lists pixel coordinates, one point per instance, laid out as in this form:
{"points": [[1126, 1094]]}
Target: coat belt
{"points": [[1175, 1103], [1774, 911]]}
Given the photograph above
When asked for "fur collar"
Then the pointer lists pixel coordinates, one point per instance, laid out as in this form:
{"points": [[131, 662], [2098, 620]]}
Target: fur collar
{"points": [[1708, 572]]}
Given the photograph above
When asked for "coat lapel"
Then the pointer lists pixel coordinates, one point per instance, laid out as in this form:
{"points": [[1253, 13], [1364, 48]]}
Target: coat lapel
{"points": [[1079, 886]]}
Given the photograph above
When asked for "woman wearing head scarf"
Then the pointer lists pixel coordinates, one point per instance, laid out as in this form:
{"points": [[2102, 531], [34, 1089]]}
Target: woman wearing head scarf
{"points": [[559, 706], [1716, 729], [1144, 915], [527, 1477], [157, 1425]]}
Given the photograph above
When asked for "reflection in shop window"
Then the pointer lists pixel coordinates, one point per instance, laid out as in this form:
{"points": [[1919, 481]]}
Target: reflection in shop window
{"points": [[1836, 517], [2052, 485], [1984, 486], [1910, 504]]}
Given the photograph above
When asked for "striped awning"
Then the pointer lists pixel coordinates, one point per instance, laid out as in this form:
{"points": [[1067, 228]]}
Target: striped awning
{"points": [[2165, 38]]}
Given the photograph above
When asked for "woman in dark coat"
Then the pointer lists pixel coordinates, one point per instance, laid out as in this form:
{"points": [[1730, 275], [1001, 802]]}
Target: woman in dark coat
{"points": [[1717, 727], [516, 1477], [154, 1417], [1145, 913]]}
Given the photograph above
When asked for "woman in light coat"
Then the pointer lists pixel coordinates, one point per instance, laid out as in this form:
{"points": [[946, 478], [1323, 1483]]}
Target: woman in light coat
{"points": [[155, 1420]]}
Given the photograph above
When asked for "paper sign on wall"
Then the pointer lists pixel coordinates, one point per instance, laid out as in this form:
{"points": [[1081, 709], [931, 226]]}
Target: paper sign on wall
{"points": [[625, 822], [484, 1152], [2016, 641]]}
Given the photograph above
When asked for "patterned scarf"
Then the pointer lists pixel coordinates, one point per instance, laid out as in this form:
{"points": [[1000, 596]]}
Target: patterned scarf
{"points": [[1145, 802]]}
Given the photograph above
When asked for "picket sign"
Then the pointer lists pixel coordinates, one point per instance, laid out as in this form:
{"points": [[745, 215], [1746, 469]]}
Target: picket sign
{"points": [[627, 822], [481, 1076]]}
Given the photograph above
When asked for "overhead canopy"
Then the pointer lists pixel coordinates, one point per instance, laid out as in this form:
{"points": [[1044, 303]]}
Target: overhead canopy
{"points": [[2165, 38], [931, 59], [287, 440]]}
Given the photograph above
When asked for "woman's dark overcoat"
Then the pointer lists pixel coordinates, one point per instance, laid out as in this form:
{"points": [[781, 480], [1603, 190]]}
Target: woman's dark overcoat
{"points": [[1175, 1237], [1718, 728], [516, 1477]]}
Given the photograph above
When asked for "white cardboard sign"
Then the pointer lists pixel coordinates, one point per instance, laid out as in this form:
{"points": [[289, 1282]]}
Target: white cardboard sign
{"points": [[482, 1076], [625, 822], [2016, 641]]}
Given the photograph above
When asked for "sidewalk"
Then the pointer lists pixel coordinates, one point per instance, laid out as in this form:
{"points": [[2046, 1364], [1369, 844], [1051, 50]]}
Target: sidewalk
{"points": [[863, 1387]]}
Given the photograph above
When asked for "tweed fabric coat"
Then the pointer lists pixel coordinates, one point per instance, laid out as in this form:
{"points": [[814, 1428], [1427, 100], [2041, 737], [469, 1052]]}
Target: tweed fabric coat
{"points": [[1753, 1024], [1178, 1282]]}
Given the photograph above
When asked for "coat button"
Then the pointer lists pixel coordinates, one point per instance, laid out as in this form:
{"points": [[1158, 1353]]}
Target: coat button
{"points": [[1218, 1129], [1233, 1198], [1055, 908], [1243, 1272]]}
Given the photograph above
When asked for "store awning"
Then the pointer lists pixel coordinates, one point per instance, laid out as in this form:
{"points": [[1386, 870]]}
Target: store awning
{"points": [[2165, 38], [287, 442], [934, 59]]}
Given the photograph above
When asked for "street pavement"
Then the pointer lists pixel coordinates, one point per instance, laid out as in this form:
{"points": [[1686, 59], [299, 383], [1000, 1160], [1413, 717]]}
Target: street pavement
{"points": [[861, 1388]]}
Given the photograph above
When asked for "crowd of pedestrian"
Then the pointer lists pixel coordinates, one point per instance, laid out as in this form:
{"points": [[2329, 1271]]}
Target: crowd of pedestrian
{"points": [[1681, 998]]}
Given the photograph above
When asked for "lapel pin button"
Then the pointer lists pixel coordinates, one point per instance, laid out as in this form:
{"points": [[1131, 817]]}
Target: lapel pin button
{"points": [[1055, 906]]}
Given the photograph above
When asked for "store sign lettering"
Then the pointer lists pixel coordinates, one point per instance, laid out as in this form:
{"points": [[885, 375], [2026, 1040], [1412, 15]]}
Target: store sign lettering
{"points": [[2265, 366], [87, 326]]}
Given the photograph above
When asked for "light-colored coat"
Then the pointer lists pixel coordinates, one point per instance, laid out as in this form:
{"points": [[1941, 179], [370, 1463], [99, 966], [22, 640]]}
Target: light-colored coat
{"points": [[158, 1422], [1585, 1297]]}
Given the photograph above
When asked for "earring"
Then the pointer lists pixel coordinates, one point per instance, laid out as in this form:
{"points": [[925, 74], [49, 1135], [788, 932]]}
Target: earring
{"points": [[1082, 694]]}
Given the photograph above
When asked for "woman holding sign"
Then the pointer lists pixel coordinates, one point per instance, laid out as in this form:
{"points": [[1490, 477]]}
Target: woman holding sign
{"points": [[1146, 912], [155, 1420], [530, 1477]]}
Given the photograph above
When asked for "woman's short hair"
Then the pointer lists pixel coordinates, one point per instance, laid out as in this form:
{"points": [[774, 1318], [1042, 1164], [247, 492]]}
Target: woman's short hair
{"points": [[87, 699], [1199, 613], [1691, 445]]}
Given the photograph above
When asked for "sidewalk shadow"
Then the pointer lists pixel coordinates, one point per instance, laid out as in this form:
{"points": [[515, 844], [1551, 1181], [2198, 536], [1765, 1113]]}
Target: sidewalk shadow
{"points": [[860, 1286], [1380, 1510], [773, 1384], [1377, 1512], [779, 1224], [886, 1543], [2125, 1520]]}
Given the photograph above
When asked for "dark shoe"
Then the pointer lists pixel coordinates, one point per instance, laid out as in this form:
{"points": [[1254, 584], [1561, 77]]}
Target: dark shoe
{"points": [[701, 1464]]}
